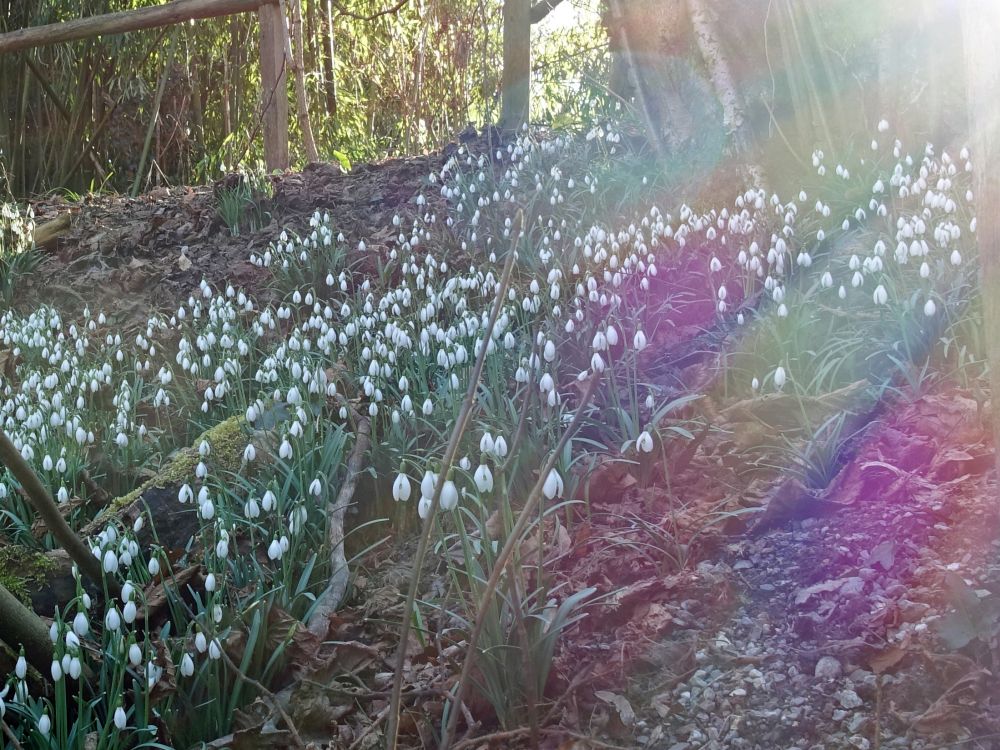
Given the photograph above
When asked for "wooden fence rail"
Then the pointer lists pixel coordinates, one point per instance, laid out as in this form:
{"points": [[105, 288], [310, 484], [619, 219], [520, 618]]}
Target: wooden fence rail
{"points": [[274, 95]]}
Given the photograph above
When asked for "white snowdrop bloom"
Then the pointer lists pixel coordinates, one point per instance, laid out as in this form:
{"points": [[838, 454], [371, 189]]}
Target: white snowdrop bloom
{"points": [[427, 408], [110, 562], [883, 126], [249, 453], [200, 642], [316, 487], [427, 484], [62, 495], [210, 582], [826, 280], [47, 463], [546, 383], [21, 668], [269, 501], [782, 310], [153, 567], [44, 724], [80, 624], [880, 296], [956, 257], [449, 495], [274, 550], [135, 655], [550, 350], [187, 665], [207, 510], [596, 363], [486, 443], [500, 447], [925, 270], [644, 443], [129, 612], [285, 450], [612, 336], [842, 292], [754, 384], [112, 620], [600, 342], [714, 265], [484, 478], [215, 649], [779, 377], [204, 449], [185, 495], [930, 308], [401, 488], [553, 486], [424, 507]]}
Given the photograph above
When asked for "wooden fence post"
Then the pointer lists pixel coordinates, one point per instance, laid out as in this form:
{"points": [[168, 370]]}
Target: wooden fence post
{"points": [[274, 92]]}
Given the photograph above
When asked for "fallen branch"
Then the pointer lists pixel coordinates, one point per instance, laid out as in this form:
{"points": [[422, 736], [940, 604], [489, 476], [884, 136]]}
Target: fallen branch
{"points": [[51, 230], [333, 596], [46, 507], [19, 626]]}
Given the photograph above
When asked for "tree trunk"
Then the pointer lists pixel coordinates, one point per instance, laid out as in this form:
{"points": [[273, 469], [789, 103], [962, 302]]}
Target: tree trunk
{"points": [[515, 92], [703, 21], [298, 66], [274, 87], [980, 25]]}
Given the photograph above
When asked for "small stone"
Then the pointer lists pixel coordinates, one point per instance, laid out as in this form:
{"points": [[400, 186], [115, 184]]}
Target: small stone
{"points": [[849, 699], [739, 693], [828, 668], [860, 742]]}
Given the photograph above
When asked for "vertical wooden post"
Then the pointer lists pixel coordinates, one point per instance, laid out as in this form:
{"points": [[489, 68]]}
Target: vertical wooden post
{"points": [[515, 89], [274, 92]]}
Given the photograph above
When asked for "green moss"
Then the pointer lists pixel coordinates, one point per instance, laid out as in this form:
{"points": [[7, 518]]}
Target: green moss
{"points": [[227, 440], [22, 571]]}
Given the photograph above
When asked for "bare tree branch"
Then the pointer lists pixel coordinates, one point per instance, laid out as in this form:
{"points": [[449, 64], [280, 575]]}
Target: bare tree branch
{"points": [[542, 8]]}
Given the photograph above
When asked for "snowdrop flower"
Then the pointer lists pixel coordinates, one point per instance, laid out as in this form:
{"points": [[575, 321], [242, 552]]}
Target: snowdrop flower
{"points": [[80, 624], [754, 384], [449, 495], [249, 453], [500, 447], [121, 721], [424, 507], [200, 642], [134, 654], [153, 567], [956, 257], [428, 407], [274, 551], [112, 620], [215, 649], [880, 295], [486, 443], [484, 478], [21, 668], [930, 308], [644, 443], [187, 665], [110, 562], [553, 485], [779, 377], [285, 450], [639, 341], [44, 724], [316, 487], [56, 670], [401, 488]]}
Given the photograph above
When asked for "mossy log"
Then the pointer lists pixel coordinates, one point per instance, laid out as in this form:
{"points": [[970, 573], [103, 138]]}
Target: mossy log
{"points": [[45, 581]]}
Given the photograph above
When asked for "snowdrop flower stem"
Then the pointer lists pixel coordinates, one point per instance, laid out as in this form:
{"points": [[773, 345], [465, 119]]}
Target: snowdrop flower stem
{"points": [[449, 458], [527, 514]]}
